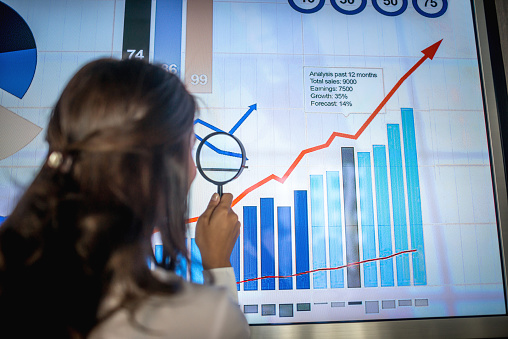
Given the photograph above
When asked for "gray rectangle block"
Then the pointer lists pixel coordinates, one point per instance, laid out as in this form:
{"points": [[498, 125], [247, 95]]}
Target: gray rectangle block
{"points": [[421, 302], [250, 309], [387, 304], [268, 309], [285, 310], [406, 302], [303, 307], [372, 307]]}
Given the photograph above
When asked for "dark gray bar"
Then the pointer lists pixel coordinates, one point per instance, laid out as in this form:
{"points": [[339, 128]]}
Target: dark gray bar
{"points": [[136, 29], [351, 217], [354, 303]]}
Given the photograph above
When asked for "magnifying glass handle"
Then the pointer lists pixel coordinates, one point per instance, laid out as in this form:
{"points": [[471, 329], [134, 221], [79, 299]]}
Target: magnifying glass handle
{"points": [[219, 190]]}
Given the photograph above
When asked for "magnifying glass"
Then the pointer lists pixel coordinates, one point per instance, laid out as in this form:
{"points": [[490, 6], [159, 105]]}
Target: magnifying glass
{"points": [[220, 158]]}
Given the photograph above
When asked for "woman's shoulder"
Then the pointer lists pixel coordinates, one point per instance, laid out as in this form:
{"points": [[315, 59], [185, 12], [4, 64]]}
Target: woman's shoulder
{"points": [[197, 311]]}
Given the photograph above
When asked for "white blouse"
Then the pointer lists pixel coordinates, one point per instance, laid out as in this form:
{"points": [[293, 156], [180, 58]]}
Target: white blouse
{"points": [[197, 311]]}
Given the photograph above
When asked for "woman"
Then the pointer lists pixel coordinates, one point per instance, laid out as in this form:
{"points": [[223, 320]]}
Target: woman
{"points": [[73, 253]]}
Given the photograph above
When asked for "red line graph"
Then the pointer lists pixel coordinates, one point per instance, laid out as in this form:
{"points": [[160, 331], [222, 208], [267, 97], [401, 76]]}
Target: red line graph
{"points": [[329, 268], [428, 52]]}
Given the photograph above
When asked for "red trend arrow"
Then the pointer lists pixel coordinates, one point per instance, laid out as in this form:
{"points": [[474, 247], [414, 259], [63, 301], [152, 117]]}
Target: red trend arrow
{"points": [[428, 52]]}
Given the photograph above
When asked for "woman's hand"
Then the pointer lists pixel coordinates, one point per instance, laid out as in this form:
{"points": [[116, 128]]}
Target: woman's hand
{"points": [[216, 232]]}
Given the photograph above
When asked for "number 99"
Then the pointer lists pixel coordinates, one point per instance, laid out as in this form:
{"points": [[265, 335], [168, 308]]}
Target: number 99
{"points": [[201, 79]]}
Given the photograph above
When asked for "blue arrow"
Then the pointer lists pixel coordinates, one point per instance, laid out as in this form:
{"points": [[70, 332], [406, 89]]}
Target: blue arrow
{"points": [[242, 119]]}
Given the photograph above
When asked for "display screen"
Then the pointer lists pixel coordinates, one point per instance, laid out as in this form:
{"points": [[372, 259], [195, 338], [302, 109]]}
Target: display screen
{"points": [[367, 191]]}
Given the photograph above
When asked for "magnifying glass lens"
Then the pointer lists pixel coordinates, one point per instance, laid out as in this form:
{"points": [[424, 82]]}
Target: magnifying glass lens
{"points": [[221, 158]]}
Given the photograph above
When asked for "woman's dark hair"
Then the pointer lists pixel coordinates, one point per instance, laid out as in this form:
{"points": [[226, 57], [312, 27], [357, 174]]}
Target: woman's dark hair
{"points": [[121, 134]]}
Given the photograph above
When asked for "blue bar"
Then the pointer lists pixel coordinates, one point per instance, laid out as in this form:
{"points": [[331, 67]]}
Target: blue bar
{"points": [[367, 221], [335, 228], [413, 194], [267, 220], [399, 204], [302, 239], [181, 267], [196, 264], [250, 247], [235, 261], [351, 217], [168, 34], [317, 220], [158, 253], [2, 219], [383, 215], [285, 247]]}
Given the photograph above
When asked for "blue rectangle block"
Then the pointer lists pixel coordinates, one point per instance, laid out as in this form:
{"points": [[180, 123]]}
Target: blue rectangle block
{"points": [[302, 239], [317, 208], [367, 219], [267, 215], [413, 194], [235, 261], [383, 215], [335, 228], [168, 34], [250, 248], [196, 264], [285, 247], [181, 267], [158, 254], [399, 204]]}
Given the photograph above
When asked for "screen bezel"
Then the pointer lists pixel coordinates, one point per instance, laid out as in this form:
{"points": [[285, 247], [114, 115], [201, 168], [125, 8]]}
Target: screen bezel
{"points": [[477, 326]]}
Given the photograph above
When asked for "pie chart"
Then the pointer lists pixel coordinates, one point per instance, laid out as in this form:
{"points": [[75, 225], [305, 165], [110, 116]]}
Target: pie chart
{"points": [[18, 53]]}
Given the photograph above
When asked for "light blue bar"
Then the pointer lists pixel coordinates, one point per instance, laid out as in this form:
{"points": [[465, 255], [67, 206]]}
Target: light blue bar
{"points": [[196, 264], [158, 253], [383, 215], [413, 194], [335, 228], [168, 34], [317, 210], [181, 267], [367, 220], [399, 204]]}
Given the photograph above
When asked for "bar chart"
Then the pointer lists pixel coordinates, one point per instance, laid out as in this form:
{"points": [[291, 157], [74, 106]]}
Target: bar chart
{"points": [[338, 198]]}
